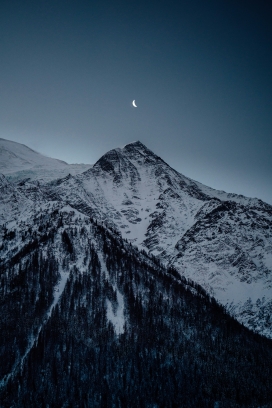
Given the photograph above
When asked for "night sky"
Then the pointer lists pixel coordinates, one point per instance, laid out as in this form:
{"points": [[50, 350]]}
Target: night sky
{"points": [[200, 72]]}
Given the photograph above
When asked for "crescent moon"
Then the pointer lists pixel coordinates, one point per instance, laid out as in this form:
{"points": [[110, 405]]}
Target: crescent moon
{"points": [[134, 104]]}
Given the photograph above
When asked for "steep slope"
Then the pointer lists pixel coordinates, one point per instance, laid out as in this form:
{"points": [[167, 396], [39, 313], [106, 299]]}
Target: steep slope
{"points": [[13, 203], [222, 241], [89, 321], [18, 162]]}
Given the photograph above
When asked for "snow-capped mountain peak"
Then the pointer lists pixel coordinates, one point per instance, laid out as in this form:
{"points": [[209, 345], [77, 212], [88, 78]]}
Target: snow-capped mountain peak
{"points": [[200, 231], [222, 241]]}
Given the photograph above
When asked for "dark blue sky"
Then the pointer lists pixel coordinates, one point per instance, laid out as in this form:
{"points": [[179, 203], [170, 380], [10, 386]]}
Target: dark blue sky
{"points": [[200, 72]]}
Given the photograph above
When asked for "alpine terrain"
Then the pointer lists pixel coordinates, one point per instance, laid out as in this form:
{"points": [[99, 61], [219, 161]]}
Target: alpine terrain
{"points": [[127, 284]]}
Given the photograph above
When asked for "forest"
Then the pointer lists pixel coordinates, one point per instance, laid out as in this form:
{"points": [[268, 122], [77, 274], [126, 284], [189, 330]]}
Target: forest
{"points": [[175, 346]]}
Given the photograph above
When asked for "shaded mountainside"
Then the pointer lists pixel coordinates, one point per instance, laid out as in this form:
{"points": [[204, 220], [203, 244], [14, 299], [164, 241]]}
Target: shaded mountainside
{"points": [[88, 320]]}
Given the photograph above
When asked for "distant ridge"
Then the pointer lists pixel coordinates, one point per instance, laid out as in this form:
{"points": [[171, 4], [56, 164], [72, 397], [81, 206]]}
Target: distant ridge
{"points": [[17, 161]]}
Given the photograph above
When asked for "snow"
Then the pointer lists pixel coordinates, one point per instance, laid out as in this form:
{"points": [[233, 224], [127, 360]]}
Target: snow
{"points": [[18, 162], [116, 317], [58, 291]]}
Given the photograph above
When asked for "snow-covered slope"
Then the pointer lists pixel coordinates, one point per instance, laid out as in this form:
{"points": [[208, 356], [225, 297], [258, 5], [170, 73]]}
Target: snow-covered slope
{"points": [[18, 162], [12, 201], [222, 241]]}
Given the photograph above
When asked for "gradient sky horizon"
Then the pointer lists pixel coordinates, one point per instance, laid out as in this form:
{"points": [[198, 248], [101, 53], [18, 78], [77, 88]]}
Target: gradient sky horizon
{"points": [[200, 72]]}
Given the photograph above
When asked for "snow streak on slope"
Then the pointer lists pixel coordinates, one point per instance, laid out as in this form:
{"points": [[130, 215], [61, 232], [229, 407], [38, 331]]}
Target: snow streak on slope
{"points": [[34, 337], [115, 313]]}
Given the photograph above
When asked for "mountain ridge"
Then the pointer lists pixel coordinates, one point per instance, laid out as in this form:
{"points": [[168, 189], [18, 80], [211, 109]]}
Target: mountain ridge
{"points": [[18, 161]]}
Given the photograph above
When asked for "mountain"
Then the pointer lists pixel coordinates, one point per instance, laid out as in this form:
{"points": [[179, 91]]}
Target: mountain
{"points": [[124, 286], [222, 241], [18, 162]]}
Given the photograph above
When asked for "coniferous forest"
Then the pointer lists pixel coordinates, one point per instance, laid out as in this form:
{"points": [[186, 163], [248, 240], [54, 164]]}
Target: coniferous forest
{"points": [[123, 332]]}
